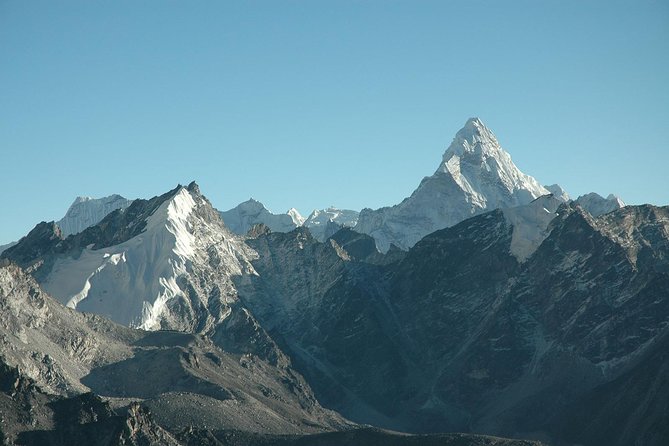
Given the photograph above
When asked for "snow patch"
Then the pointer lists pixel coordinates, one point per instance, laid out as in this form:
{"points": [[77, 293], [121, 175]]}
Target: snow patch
{"points": [[530, 225]]}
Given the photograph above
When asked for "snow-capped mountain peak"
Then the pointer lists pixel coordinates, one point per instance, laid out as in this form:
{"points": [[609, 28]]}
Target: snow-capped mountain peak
{"points": [[322, 223], [87, 211], [476, 174], [473, 138], [475, 157], [296, 216], [597, 205], [245, 215], [143, 266], [558, 192]]}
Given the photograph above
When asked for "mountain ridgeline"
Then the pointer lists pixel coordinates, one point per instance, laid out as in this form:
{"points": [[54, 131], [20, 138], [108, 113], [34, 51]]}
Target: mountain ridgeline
{"points": [[483, 303]]}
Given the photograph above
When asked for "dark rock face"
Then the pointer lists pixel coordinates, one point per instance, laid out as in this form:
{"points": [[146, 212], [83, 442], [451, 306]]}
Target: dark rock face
{"points": [[459, 336], [631, 409], [362, 247], [39, 242]]}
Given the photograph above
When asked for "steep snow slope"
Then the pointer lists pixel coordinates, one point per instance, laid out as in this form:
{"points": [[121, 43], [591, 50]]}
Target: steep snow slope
{"points": [[597, 205], [251, 212], [530, 224], [87, 211], [475, 175], [131, 282], [165, 262], [296, 217]]}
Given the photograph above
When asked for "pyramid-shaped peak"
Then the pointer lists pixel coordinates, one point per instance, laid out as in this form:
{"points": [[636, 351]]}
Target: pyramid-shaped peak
{"points": [[474, 139], [475, 130], [474, 123]]}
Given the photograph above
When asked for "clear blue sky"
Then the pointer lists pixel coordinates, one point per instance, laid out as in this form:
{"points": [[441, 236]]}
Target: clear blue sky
{"points": [[312, 103]]}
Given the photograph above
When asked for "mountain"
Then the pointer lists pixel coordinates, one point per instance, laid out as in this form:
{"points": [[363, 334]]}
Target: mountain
{"points": [[532, 317], [475, 175], [243, 216], [322, 223], [163, 263], [138, 266], [296, 217], [558, 192], [71, 378], [503, 324], [87, 211], [597, 205]]}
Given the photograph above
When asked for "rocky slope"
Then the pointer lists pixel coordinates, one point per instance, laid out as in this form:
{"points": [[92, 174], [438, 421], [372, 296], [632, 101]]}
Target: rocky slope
{"points": [[151, 388], [467, 332], [8, 245], [475, 175], [185, 379], [33, 417], [364, 436]]}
